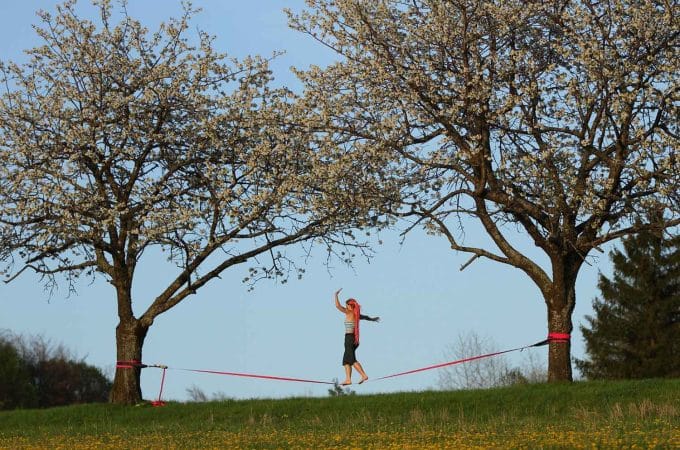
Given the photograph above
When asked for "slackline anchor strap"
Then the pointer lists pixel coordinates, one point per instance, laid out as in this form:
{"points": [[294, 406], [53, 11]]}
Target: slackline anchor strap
{"points": [[132, 364], [554, 337], [135, 364]]}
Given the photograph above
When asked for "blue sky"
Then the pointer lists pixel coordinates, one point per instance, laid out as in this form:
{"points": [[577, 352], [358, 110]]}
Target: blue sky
{"points": [[293, 329]]}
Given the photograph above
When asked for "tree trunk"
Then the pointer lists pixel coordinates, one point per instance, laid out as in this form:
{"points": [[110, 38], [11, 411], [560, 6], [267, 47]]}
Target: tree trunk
{"points": [[561, 301], [126, 388], [559, 353]]}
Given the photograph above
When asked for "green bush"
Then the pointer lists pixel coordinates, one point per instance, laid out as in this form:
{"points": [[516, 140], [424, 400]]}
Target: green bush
{"points": [[16, 389], [33, 373]]}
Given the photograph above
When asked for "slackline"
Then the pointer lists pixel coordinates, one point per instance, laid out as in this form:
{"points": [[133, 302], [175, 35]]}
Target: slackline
{"points": [[552, 337]]}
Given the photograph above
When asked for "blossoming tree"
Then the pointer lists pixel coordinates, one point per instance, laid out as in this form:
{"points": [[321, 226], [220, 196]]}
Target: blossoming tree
{"points": [[555, 118], [115, 140]]}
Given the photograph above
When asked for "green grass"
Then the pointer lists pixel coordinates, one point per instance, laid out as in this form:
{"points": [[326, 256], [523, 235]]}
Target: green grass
{"points": [[645, 413]]}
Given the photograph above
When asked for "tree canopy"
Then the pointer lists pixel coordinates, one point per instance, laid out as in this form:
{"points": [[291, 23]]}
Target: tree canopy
{"points": [[556, 119], [115, 140]]}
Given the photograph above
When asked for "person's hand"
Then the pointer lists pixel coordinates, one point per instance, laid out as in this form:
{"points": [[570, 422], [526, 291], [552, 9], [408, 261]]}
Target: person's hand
{"points": [[338, 292], [377, 319]]}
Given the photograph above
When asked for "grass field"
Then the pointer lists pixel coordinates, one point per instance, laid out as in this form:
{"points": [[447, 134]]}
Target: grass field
{"points": [[622, 414]]}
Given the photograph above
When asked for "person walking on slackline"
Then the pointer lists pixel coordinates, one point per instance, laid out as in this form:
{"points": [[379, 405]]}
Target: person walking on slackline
{"points": [[353, 315]]}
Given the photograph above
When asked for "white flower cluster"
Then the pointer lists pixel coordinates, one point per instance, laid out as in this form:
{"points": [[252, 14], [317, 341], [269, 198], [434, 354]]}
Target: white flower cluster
{"points": [[561, 118], [114, 139]]}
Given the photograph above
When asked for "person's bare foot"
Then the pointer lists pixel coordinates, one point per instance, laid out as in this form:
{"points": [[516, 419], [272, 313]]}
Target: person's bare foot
{"points": [[363, 379], [345, 383]]}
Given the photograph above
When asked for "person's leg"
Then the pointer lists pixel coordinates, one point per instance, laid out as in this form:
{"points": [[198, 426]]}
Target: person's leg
{"points": [[364, 377], [348, 358], [348, 375]]}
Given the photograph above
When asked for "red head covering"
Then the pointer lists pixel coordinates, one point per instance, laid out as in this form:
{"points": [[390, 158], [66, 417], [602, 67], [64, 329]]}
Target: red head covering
{"points": [[356, 309]]}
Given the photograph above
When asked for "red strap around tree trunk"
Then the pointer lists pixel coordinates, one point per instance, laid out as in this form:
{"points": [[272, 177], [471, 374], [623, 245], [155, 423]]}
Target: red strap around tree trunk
{"points": [[129, 364], [559, 337]]}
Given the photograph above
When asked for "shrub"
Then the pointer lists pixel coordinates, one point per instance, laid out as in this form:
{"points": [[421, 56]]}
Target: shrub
{"points": [[33, 372]]}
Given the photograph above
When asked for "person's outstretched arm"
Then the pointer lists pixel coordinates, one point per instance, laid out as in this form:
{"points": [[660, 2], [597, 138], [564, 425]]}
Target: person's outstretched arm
{"points": [[372, 319], [337, 302]]}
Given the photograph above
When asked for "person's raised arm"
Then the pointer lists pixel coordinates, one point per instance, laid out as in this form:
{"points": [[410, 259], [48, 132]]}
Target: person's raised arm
{"points": [[337, 302]]}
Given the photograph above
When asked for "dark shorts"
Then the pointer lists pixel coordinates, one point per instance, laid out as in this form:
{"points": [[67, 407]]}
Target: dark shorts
{"points": [[350, 347]]}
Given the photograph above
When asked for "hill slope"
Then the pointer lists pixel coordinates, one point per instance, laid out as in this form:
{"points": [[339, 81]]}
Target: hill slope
{"points": [[617, 414]]}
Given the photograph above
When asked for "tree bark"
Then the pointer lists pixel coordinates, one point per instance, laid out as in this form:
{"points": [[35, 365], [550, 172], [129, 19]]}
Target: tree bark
{"points": [[130, 335], [559, 352], [560, 302]]}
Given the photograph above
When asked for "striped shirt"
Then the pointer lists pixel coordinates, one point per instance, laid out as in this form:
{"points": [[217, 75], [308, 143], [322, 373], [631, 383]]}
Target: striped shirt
{"points": [[349, 326]]}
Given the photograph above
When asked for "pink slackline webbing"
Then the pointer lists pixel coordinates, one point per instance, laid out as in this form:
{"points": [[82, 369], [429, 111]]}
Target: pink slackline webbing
{"points": [[552, 337]]}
